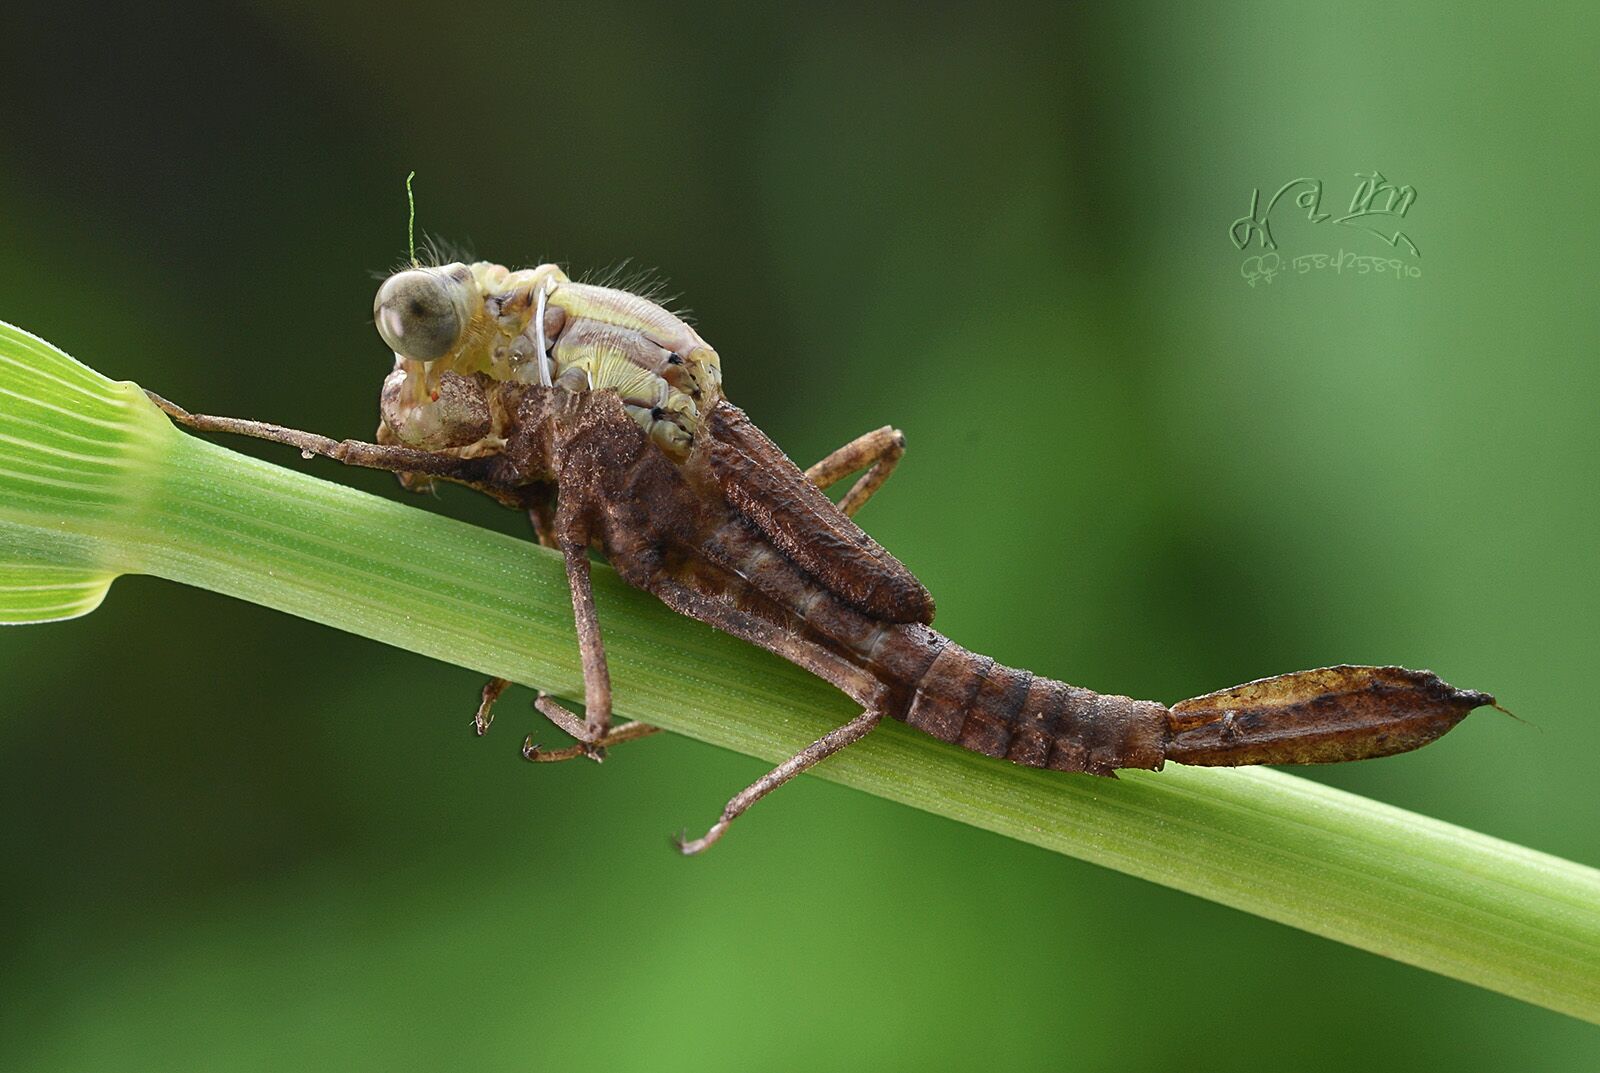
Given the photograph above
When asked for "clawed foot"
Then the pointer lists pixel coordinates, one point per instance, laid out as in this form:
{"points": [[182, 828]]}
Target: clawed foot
{"points": [[484, 718], [171, 409], [534, 753], [689, 847], [591, 744]]}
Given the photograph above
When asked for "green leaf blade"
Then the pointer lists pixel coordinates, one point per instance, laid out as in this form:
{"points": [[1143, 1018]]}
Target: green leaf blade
{"points": [[32, 592], [94, 482]]}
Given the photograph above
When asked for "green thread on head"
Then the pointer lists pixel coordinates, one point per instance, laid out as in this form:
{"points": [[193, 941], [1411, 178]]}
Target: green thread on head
{"points": [[411, 220]]}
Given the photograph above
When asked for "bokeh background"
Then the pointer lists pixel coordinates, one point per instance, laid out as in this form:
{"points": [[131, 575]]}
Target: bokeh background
{"points": [[234, 840]]}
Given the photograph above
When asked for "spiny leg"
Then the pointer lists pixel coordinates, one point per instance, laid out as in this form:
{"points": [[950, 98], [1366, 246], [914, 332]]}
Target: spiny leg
{"points": [[485, 715], [350, 452], [594, 731], [832, 668], [877, 452], [625, 732], [574, 540], [812, 754], [592, 742]]}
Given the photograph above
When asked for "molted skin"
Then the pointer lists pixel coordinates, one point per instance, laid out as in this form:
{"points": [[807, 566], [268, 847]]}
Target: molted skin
{"points": [[718, 544], [1319, 717], [457, 415], [601, 415]]}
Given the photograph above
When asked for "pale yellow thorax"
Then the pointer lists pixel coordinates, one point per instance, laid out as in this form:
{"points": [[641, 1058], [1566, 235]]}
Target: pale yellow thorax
{"points": [[596, 338]]}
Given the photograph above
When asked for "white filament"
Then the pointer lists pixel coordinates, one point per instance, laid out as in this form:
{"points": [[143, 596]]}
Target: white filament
{"points": [[538, 317]]}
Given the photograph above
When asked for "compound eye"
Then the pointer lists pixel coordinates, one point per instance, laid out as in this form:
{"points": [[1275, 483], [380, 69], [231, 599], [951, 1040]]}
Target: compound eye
{"points": [[416, 315]]}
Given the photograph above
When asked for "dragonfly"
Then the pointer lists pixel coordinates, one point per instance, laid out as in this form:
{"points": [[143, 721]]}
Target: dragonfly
{"points": [[602, 416]]}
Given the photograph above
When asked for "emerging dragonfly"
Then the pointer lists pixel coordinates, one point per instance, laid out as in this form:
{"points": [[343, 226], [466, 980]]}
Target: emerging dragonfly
{"points": [[601, 415]]}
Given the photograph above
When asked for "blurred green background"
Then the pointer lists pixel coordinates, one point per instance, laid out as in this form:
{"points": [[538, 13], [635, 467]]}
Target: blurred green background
{"points": [[234, 840]]}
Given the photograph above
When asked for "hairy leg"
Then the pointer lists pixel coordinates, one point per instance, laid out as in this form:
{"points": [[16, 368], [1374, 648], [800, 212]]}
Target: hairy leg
{"points": [[853, 681], [574, 540], [626, 732], [808, 757], [849, 678], [594, 731], [485, 715], [877, 452], [350, 452], [594, 734]]}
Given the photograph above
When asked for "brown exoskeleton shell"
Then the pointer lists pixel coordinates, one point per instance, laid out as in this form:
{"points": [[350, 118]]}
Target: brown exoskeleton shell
{"points": [[601, 414]]}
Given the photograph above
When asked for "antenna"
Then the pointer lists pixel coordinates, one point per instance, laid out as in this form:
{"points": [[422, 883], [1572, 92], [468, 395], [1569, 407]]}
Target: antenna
{"points": [[411, 220]]}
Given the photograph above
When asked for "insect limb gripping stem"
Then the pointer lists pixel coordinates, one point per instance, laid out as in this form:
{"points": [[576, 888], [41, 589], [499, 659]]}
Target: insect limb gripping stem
{"points": [[350, 452]]}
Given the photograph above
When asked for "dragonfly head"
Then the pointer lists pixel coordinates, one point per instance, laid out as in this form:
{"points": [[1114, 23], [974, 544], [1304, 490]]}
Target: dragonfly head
{"points": [[432, 317], [424, 313]]}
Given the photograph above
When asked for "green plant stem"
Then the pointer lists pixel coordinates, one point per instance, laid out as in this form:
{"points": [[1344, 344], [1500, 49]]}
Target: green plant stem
{"points": [[94, 482]]}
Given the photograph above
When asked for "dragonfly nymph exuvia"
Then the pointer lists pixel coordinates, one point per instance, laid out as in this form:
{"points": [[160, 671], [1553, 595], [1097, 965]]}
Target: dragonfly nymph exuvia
{"points": [[602, 415]]}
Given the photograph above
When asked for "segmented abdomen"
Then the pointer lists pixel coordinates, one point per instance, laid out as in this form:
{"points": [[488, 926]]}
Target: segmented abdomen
{"points": [[979, 704], [934, 684]]}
